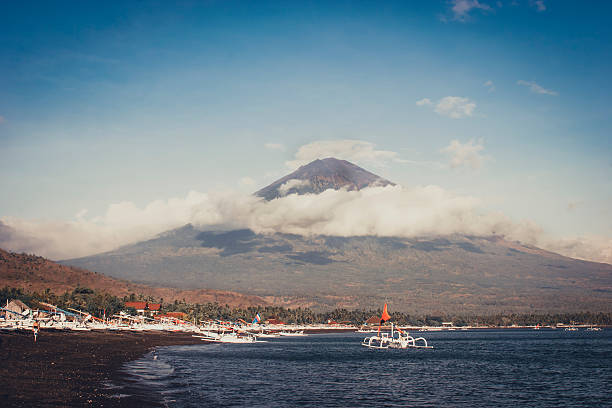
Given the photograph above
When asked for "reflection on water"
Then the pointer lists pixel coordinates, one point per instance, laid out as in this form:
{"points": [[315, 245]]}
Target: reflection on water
{"points": [[481, 369]]}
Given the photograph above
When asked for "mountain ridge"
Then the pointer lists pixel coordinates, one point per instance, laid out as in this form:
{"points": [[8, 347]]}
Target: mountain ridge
{"points": [[37, 274]]}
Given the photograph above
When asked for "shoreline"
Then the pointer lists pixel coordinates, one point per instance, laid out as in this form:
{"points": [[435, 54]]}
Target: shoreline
{"points": [[64, 368]]}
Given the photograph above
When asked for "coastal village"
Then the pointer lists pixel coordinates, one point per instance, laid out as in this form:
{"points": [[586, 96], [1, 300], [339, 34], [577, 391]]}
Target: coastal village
{"points": [[143, 316]]}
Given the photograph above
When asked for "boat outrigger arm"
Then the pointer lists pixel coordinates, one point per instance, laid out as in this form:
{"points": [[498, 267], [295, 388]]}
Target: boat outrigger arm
{"points": [[86, 316], [396, 339], [57, 309]]}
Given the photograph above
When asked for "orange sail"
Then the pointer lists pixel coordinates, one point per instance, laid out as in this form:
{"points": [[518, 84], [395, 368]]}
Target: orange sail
{"points": [[385, 316]]}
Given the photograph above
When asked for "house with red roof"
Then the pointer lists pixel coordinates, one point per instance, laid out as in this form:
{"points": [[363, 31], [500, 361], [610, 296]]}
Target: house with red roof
{"points": [[273, 320], [177, 315], [144, 308]]}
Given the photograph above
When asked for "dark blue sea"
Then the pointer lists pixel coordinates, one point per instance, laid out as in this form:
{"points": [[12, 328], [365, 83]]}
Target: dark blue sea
{"points": [[504, 368]]}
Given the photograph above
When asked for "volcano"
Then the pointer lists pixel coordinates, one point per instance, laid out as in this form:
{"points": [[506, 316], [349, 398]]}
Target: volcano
{"points": [[456, 273]]}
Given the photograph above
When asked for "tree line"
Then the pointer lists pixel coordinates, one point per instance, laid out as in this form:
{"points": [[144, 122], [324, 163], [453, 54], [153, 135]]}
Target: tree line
{"points": [[99, 303]]}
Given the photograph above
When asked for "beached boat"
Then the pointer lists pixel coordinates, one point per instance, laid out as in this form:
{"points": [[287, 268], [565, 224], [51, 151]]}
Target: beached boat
{"points": [[292, 333], [227, 338], [80, 328], [263, 334], [366, 330]]}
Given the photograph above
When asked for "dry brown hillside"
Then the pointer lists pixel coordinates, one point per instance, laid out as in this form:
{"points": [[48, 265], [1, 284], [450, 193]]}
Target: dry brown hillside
{"points": [[36, 274]]}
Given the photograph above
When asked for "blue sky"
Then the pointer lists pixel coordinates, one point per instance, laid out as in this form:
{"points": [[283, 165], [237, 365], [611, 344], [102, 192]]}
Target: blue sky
{"points": [[147, 101]]}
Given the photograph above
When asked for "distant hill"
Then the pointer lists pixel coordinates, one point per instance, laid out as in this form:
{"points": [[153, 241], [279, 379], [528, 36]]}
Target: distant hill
{"points": [[35, 273], [321, 175], [480, 274]]}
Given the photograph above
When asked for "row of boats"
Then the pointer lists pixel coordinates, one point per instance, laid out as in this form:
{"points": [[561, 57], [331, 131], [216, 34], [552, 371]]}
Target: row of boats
{"points": [[80, 321], [18, 316], [55, 318], [591, 328], [215, 331]]}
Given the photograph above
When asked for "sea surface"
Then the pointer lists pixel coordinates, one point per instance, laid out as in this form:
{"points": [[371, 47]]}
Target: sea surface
{"points": [[501, 368]]}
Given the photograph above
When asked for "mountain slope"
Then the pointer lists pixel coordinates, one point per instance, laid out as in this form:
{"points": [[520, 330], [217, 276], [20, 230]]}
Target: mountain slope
{"points": [[321, 175], [36, 274], [426, 275]]}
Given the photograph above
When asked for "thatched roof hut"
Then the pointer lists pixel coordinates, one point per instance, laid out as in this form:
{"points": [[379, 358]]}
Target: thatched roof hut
{"points": [[17, 306]]}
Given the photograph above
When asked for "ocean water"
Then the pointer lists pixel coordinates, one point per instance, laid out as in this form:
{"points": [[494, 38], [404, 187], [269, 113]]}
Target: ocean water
{"points": [[505, 368]]}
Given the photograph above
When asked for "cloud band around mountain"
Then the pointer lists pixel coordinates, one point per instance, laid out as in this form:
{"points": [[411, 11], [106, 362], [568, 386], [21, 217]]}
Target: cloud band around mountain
{"points": [[377, 211]]}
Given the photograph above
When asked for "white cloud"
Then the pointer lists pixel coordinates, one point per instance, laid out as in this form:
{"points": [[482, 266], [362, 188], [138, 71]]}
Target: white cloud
{"points": [[455, 107], [357, 151], [534, 87], [465, 154], [490, 86], [380, 211], [122, 224], [293, 183], [274, 146], [462, 8], [595, 248], [2, 119]]}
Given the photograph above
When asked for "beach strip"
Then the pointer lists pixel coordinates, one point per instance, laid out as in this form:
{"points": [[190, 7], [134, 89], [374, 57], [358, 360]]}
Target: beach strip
{"points": [[67, 368]]}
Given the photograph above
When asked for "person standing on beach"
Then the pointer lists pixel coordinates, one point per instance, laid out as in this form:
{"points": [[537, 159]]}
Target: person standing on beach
{"points": [[35, 328]]}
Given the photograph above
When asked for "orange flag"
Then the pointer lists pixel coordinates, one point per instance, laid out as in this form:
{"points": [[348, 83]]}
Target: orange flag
{"points": [[385, 316]]}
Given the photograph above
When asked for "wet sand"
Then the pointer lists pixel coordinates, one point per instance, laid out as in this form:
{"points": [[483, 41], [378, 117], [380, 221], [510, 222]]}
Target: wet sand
{"points": [[70, 369]]}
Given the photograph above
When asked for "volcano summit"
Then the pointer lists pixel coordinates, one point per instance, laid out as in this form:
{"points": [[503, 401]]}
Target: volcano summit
{"points": [[321, 175]]}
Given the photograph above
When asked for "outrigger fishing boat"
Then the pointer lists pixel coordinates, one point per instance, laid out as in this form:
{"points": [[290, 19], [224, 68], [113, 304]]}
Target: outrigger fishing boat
{"points": [[225, 332], [365, 330], [263, 334], [228, 338], [288, 333], [397, 339]]}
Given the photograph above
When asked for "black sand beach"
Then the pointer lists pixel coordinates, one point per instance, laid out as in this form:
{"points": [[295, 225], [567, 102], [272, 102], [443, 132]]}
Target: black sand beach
{"points": [[70, 369]]}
